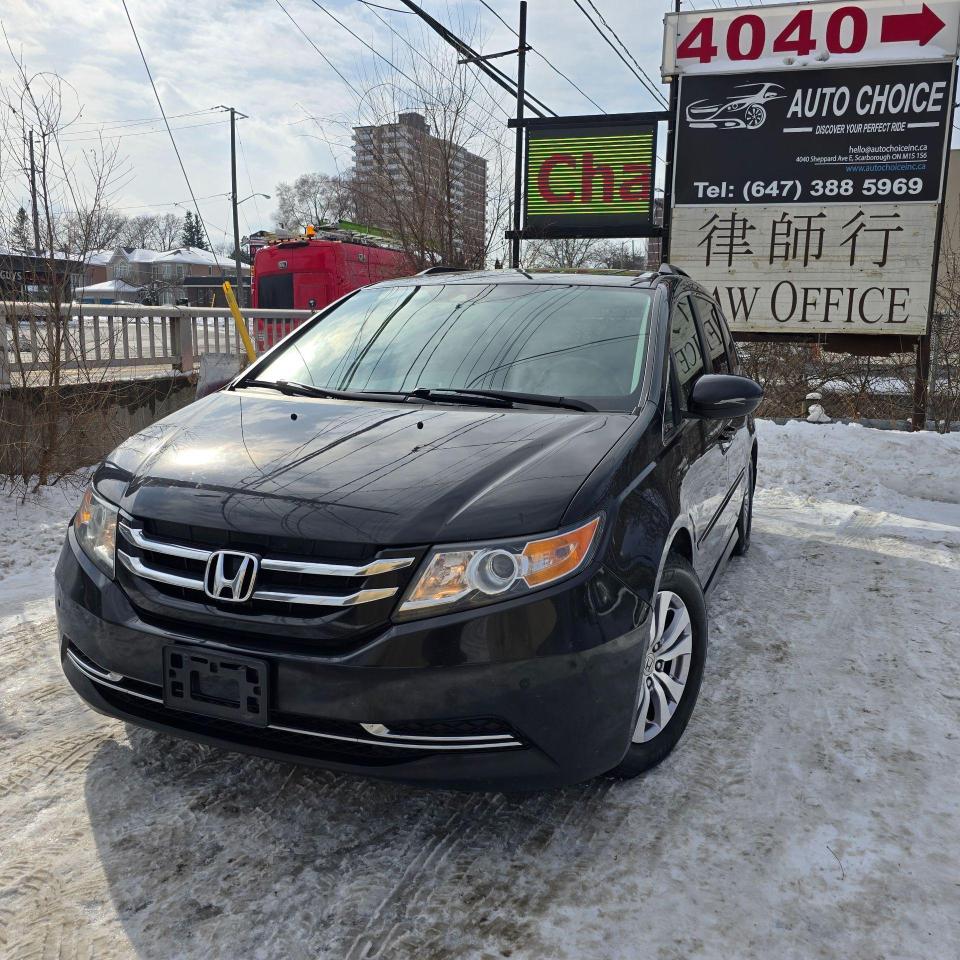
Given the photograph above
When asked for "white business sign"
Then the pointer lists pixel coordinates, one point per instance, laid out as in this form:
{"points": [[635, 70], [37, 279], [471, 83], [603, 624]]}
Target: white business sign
{"points": [[793, 35], [808, 269]]}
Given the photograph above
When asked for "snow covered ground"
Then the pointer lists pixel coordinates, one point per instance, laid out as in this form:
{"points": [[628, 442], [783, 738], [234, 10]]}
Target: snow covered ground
{"points": [[810, 812]]}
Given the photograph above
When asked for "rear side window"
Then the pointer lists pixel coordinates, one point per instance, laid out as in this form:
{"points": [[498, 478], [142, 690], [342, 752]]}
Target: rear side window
{"points": [[685, 347], [713, 330], [275, 291]]}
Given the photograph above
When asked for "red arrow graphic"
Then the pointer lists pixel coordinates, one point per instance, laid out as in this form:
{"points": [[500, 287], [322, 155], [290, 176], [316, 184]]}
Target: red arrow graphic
{"points": [[921, 27]]}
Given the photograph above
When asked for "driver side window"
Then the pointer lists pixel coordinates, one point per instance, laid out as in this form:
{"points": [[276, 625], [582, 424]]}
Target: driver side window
{"points": [[685, 348]]}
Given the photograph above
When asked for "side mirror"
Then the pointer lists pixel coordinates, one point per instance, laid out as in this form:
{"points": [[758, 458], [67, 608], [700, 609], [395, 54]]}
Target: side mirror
{"points": [[724, 396]]}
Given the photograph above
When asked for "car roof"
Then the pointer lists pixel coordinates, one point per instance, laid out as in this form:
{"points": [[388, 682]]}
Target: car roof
{"points": [[643, 281]]}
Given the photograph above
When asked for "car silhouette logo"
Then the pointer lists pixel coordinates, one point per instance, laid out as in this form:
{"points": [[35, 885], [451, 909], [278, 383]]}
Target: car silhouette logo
{"points": [[230, 576], [745, 110]]}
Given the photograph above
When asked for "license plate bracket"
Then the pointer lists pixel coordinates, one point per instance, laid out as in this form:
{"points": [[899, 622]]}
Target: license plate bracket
{"points": [[216, 685]]}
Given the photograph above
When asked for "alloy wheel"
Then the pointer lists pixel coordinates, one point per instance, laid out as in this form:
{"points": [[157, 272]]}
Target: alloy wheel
{"points": [[666, 667]]}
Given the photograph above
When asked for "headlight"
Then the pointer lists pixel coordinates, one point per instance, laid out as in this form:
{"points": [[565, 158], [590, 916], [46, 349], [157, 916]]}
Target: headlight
{"points": [[96, 528], [472, 575]]}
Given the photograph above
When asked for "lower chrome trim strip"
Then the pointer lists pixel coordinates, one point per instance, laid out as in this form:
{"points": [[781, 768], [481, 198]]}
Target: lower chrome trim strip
{"points": [[90, 674], [396, 746], [379, 730], [426, 743]]}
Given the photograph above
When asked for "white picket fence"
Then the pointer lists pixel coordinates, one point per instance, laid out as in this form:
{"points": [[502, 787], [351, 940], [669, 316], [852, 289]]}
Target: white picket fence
{"points": [[119, 341]]}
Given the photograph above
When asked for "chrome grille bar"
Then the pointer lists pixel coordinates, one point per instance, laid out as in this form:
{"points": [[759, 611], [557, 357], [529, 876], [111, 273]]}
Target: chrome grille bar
{"points": [[137, 567], [336, 570], [140, 569], [312, 568], [136, 537], [325, 600]]}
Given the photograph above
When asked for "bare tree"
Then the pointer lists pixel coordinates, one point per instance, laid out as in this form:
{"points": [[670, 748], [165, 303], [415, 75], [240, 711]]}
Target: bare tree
{"points": [[166, 231], [139, 231], [944, 387], [566, 254], [313, 199], [437, 173], [41, 413]]}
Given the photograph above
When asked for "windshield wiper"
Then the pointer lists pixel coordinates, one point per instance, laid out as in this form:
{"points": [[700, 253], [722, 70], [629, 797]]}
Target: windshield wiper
{"points": [[504, 397], [293, 388], [480, 398]]}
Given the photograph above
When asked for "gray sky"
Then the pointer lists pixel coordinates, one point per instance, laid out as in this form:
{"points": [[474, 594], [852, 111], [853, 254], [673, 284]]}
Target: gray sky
{"points": [[249, 55]]}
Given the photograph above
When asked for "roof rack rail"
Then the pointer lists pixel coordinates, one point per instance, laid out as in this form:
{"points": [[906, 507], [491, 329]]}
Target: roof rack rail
{"points": [[441, 269], [668, 268]]}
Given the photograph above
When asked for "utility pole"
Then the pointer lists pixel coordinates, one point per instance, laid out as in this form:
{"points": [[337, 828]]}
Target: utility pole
{"points": [[233, 200], [518, 160], [33, 201]]}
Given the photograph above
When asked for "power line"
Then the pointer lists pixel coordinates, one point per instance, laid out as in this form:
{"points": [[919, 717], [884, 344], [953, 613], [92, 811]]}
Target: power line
{"points": [[432, 65], [139, 133], [170, 203], [328, 61], [646, 84], [381, 7], [373, 50], [119, 123], [176, 149], [626, 50], [533, 49], [246, 167]]}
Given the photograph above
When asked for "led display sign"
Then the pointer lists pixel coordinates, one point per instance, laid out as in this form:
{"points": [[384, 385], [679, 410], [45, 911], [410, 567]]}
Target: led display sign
{"points": [[590, 180]]}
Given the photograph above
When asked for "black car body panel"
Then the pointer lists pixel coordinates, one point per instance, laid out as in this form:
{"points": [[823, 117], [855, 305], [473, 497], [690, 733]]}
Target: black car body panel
{"points": [[389, 473], [527, 692]]}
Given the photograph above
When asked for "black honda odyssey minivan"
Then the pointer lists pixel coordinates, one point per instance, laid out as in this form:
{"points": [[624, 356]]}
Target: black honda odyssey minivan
{"points": [[454, 529]]}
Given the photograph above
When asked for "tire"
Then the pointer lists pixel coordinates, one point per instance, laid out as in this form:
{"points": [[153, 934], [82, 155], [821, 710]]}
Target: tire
{"points": [[654, 740], [745, 521]]}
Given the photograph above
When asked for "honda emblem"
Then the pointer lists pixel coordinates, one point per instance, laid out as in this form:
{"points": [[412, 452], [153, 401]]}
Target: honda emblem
{"points": [[230, 575]]}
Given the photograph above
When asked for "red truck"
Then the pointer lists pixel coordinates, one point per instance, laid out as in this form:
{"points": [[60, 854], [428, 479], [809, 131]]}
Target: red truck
{"points": [[308, 272]]}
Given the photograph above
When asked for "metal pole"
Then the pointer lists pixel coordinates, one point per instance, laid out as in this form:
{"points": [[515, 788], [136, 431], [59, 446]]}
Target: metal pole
{"points": [[233, 187], [33, 201], [535, 104], [922, 375], [668, 166], [518, 160]]}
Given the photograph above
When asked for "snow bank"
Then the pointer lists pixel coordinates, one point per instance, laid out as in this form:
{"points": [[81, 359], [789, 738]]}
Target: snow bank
{"points": [[809, 812]]}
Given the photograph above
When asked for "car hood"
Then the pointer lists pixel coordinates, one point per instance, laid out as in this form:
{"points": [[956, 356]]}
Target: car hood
{"points": [[358, 472]]}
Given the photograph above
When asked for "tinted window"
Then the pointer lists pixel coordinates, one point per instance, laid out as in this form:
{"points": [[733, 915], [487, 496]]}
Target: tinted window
{"points": [[713, 334], [685, 347], [574, 341], [729, 341], [275, 291]]}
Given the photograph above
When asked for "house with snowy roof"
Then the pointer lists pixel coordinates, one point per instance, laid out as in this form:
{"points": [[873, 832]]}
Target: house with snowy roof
{"points": [[157, 276]]}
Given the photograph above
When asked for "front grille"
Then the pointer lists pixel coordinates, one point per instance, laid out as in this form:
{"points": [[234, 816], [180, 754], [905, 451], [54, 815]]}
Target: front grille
{"points": [[309, 595]]}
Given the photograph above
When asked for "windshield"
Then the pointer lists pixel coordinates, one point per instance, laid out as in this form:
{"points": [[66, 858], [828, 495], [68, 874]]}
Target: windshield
{"points": [[585, 342]]}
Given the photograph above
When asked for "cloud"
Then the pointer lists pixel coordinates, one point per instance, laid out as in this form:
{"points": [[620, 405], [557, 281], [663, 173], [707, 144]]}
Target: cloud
{"points": [[250, 56]]}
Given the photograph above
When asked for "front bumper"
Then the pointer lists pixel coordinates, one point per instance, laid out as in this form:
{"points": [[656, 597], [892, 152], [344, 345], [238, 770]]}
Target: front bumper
{"points": [[527, 694]]}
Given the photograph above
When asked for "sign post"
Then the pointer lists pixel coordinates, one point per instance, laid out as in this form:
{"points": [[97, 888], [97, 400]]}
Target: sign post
{"points": [[810, 163]]}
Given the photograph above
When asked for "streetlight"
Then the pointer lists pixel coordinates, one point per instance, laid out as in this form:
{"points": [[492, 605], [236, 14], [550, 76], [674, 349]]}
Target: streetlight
{"points": [[266, 196]]}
